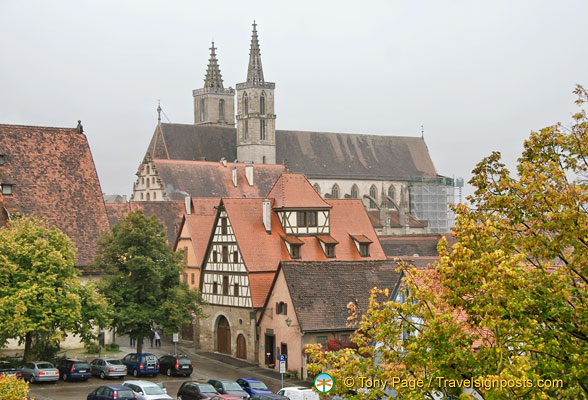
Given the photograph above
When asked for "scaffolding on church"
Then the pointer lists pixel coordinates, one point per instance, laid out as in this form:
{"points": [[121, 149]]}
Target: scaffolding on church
{"points": [[430, 202]]}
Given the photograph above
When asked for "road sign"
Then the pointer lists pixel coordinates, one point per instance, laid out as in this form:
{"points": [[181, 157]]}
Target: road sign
{"points": [[176, 338], [283, 357], [282, 367]]}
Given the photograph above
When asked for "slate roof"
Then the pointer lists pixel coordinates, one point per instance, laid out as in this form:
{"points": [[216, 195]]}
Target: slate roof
{"points": [[424, 245], [55, 178], [320, 291], [315, 154], [374, 216], [170, 213], [213, 179]]}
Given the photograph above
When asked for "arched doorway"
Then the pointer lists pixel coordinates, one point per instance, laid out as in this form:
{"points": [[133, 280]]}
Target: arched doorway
{"points": [[223, 336], [241, 347]]}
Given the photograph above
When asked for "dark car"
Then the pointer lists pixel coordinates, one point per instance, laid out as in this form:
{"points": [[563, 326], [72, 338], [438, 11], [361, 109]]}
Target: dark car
{"points": [[7, 368], [268, 396], [111, 392], [175, 364], [253, 386], [227, 386], [70, 370], [141, 364], [196, 391]]}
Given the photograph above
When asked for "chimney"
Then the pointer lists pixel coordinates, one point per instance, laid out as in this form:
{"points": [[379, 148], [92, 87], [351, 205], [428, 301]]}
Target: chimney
{"points": [[223, 162], [267, 215], [234, 176], [188, 204], [249, 174]]}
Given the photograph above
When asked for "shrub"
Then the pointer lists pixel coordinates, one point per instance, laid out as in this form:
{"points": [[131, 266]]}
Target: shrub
{"points": [[12, 388], [112, 346], [92, 348]]}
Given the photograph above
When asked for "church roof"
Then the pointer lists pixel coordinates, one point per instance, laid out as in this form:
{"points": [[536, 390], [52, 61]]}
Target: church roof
{"points": [[54, 177], [214, 179], [318, 155]]}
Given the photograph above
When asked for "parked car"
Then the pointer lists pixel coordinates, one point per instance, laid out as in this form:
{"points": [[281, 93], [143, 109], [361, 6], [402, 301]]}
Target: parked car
{"points": [[145, 390], [141, 364], [108, 368], [175, 364], [40, 371], [196, 391], [70, 369], [299, 393], [112, 392], [253, 386], [227, 386], [268, 396], [7, 368]]}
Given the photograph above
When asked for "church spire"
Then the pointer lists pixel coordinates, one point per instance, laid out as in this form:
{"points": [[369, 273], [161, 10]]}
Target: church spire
{"points": [[254, 71], [213, 77]]}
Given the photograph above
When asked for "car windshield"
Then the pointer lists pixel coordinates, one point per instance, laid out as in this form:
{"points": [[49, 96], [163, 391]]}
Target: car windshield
{"points": [[45, 366], [153, 390], [232, 386], [258, 385], [125, 393], [184, 361], [114, 362], [206, 388], [82, 365]]}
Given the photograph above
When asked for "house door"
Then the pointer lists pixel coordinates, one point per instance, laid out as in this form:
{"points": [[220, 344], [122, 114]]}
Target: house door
{"points": [[284, 351], [270, 348], [188, 332], [241, 347], [223, 336]]}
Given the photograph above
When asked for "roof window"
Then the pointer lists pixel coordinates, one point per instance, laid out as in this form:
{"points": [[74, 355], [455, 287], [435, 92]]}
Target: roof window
{"points": [[6, 189]]}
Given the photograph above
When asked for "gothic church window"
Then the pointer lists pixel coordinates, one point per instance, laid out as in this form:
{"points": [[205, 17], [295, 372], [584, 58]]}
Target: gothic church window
{"points": [[262, 129], [245, 104], [391, 196], [221, 110], [262, 104], [148, 198], [201, 110], [246, 130], [335, 191], [317, 187], [374, 196], [354, 192]]}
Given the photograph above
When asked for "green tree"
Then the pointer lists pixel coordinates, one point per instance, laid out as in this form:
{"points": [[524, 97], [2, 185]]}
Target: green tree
{"points": [[514, 287], [142, 278], [41, 296]]}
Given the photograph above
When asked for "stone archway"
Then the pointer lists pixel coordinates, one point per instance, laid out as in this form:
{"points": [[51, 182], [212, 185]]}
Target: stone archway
{"points": [[241, 347], [223, 335]]}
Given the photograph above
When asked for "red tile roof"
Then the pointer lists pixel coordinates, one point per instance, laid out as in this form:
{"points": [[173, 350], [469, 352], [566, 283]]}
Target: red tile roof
{"points": [[212, 179], [54, 177], [260, 284], [200, 224], [295, 191]]}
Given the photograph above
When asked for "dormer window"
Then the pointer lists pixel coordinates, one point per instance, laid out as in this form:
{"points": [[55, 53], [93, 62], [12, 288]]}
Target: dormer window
{"points": [[1, 159], [328, 244], [362, 243], [293, 245], [6, 189], [295, 251], [364, 249], [330, 250], [306, 218]]}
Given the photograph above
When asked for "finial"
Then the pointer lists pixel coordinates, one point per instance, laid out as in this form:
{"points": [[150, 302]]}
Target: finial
{"points": [[158, 112], [422, 131], [80, 128], [254, 26]]}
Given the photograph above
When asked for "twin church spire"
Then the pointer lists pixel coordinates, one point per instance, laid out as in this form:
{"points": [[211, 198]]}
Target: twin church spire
{"points": [[213, 78], [255, 70]]}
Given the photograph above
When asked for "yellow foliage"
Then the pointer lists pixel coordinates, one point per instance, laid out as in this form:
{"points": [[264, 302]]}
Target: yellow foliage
{"points": [[12, 388]]}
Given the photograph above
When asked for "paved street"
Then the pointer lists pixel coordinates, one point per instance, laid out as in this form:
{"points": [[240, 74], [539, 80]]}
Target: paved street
{"points": [[204, 369]]}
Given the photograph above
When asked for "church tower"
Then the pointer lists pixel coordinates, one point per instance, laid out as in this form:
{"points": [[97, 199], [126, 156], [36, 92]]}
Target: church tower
{"points": [[256, 121], [213, 104]]}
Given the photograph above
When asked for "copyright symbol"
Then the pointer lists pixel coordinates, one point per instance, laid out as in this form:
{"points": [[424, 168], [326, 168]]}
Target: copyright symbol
{"points": [[349, 382]]}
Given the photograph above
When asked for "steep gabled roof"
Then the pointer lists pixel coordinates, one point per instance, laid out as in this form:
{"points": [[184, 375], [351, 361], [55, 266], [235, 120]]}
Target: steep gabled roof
{"points": [[200, 223], [213, 179], [54, 177], [295, 191], [321, 291]]}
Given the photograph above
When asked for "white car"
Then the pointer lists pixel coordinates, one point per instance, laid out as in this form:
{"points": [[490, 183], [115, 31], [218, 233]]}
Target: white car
{"points": [[299, 393], [145, 390]]}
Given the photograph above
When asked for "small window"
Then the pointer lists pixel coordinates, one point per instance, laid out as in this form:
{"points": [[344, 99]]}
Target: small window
{"points": [[1, 159], [235, 256], [245, 104], [185, 276], [335, 191], [147, 169], [224, 228], [295, 251], [6, 189], [147, 182], [364, 249], [281, 308], [374, 196], [225, 254], [306, 218], [201, 110], [262, 129], [153, 180], [262, 104], [354, 192], [154, 196], [330, 250], [186, 255], [192, 278], [214, 288], [225, 285], [317, 187], [215, 256], [142, 196], [142, 180], [246, 130], [263, 160], [322, 340], [221, 110], [236, 289], [148, 198]]}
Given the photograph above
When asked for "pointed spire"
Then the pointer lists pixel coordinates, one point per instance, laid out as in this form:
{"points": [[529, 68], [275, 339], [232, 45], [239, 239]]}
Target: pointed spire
{"points": [[255, 71], [158, 112], [213, 77]]}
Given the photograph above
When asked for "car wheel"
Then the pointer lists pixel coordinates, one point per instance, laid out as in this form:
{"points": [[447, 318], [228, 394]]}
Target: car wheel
{"points": [[64, 377], [135, 373], [102, 375], [169, 372], [32, 379]]}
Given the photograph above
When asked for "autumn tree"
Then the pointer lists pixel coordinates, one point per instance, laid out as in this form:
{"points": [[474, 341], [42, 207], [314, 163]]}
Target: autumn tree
{"points": [[41, 296], [12, 388], [142, 278], [508, 302]]}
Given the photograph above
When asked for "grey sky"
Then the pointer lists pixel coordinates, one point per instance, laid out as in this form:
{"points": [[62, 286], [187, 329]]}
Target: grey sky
{"points": [[480, 75]]}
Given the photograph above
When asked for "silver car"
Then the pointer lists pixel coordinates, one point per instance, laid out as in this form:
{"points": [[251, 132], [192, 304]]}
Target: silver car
{"points": [[40, 371], [145, 390], [108, 368]]}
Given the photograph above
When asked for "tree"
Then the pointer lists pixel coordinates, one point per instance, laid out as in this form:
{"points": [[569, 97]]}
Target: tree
{"points": [[41, 296], [508, 302], [142, 278]]}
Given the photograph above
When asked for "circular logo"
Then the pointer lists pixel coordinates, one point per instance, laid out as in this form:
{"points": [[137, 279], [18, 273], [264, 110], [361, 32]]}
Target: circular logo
{"points": [[323, 383]]}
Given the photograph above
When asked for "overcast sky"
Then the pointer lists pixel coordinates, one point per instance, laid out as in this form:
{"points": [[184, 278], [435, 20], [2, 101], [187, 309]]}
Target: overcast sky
{"points": [[479, 75]]}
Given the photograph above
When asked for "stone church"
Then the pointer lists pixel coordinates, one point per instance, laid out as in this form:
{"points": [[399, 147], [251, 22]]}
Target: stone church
{"points": [[393, 175]]}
